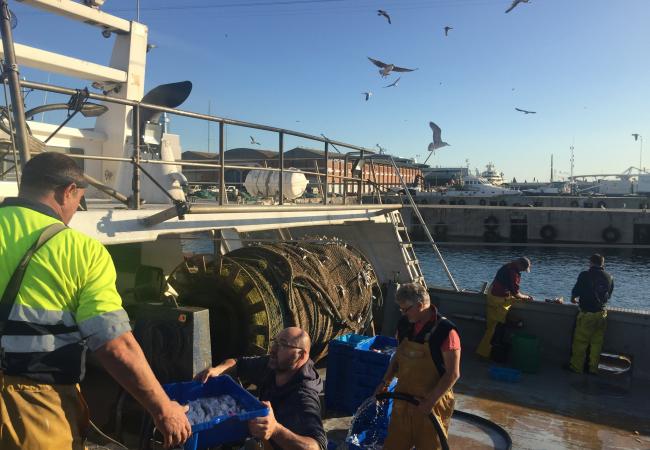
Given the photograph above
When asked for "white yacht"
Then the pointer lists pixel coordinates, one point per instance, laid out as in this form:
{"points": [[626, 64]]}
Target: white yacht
{"points": [[492, 176], [470, 186]]}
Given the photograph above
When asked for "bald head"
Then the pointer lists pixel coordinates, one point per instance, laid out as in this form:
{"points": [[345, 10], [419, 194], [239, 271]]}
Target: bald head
{"points": [[296, 336]]}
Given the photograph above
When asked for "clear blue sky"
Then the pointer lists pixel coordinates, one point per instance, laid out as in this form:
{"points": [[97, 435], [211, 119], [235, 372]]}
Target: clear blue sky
{"points": [[583, 65]]}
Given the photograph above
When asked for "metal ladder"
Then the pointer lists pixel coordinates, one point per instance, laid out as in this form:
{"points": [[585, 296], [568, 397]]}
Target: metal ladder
{"points": [[406, 246]]}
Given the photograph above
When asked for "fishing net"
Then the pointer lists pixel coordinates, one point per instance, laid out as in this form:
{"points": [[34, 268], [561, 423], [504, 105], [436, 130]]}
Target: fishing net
{"points": [[321, 285]]}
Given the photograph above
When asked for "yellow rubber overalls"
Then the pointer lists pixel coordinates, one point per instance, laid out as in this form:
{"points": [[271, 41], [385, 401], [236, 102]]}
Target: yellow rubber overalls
{"points": [[35, 416], [497, 310], [589, 332], [417, 375]]}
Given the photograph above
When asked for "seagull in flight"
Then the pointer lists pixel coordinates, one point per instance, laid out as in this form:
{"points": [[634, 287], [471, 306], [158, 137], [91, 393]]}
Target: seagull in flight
{"points": [[253, 141], [447, 28], [394, 83], [367, 94], [515, 3], [636, 136], [437, 138], [525, 111], [386, 69], [381, 12]]}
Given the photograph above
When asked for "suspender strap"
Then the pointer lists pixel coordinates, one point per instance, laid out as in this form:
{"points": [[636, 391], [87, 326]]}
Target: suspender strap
{"points": [[11, 291]]}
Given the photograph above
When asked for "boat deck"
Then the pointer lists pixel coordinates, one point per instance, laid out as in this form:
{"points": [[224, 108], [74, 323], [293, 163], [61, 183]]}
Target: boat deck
{"points": [[553, 409]]}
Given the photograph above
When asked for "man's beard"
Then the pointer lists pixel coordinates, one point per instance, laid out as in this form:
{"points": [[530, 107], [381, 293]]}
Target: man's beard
{"points": [[280, 366]]}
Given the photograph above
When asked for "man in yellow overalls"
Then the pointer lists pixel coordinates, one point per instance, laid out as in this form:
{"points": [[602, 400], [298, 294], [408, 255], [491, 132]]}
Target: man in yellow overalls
{"points": [[592, 290], [427, 365], [502, 293]]}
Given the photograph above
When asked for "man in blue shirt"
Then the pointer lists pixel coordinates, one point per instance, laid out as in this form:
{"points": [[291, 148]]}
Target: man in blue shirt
{"points": [[289, 385]]}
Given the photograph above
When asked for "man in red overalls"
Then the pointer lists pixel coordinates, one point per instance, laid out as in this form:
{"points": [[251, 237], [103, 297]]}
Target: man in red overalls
{"points": [[427, 365]]}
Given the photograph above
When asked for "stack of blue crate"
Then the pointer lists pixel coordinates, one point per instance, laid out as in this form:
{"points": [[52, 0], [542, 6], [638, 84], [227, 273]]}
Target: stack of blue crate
{"points": [[355, 366]]}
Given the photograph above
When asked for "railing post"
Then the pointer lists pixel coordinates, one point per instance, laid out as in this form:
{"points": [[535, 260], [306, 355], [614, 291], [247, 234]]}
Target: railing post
{"points": [[345, 178], [327, 165], [222, 163], [135, 183], [281, 179], [360, 165]]}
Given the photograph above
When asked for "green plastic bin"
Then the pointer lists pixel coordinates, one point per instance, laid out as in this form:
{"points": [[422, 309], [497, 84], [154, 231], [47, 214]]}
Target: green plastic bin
{"points": [[526, 352]]}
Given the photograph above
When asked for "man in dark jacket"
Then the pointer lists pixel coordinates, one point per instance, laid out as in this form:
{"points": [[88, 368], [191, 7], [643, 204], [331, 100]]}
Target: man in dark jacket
{"points": [[592, 290], [289, 385]]}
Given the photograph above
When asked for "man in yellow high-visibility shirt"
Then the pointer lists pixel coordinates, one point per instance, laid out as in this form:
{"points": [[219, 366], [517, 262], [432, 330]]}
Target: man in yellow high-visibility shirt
{"points": [[66, 303]]}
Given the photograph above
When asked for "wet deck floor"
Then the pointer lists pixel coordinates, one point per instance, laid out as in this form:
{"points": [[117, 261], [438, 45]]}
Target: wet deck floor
{"points": [[553, 409]]}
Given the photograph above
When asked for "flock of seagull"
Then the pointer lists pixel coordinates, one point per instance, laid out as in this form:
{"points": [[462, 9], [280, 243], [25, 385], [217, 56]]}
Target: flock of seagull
{"points": [[386, 69]]}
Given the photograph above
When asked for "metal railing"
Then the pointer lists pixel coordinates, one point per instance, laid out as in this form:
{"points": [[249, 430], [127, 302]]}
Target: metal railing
{"points": [[137, 159]]}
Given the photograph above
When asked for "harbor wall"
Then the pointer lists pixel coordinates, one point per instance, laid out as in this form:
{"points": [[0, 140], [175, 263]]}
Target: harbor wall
{"points": [[471, 223], [628, 332], [554, 201]]}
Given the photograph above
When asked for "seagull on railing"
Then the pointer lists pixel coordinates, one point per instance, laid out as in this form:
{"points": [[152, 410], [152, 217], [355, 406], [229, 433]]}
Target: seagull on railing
{"points": [[515, 3], [381, 12], [386, 69], [394, 83], [253, 141], [437, 138], [447, 28], [367, 95], [525, 111]]}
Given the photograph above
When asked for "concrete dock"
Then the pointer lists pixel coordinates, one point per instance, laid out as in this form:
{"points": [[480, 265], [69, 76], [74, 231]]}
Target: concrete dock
{"points": [[550, 225]]}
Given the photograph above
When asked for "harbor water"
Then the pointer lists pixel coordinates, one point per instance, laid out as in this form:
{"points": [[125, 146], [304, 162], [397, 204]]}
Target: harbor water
{"points": [[554, 270]]}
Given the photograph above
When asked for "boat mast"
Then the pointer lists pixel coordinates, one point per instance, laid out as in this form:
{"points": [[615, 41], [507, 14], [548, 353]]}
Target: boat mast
{"points": [[10, 75]]}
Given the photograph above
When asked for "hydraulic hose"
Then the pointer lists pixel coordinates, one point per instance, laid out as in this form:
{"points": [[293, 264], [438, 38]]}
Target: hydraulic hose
{"points": [[459, 414], [488, 424]]}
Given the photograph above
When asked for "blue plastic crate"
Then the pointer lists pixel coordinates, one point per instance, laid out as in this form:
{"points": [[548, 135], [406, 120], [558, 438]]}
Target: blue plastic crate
{"points": [[371, 362], [340, 363], [222, 429], [345, 343], [354, 370], [505, 374]]}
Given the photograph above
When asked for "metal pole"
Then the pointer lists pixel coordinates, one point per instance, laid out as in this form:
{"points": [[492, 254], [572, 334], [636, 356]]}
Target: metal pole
{"points": [[360, 182], [222, 162], [318, 177], [281, 152], [345, 179], [641, 154], [327, 165], [375, 183], [10, 70], [135, 204], [416, 210]]}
